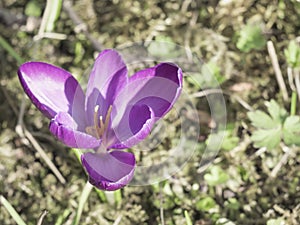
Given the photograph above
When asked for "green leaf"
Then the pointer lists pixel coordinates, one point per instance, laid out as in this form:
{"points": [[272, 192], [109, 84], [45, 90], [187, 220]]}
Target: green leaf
{"points": [[210, 75], [262, 120], [216, 176], [230, 142], [291, 130], [205, 204], [292, 54], [277, 113], [33, 8], [55, 8], [251, 37], [187, 218], [223, 139], [232, 203], [267, 138], [270, 126]]}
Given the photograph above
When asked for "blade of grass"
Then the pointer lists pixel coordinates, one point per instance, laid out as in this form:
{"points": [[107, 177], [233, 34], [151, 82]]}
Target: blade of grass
{"points": [[83, 198], [4, 44], [293, 103], [42, 217], [55, 8], [118, 197], [17, 218], [50, 15], [62, 217], [101, 195], [276, 67], [187, 218]]}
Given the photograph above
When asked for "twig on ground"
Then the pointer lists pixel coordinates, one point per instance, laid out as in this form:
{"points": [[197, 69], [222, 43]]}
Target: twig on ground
{"points": [[259, 152], [283, 160], [20, 123], [26, 135], [118, 220], [80, 26], [48, 161], [277, 70], [45, 212]]}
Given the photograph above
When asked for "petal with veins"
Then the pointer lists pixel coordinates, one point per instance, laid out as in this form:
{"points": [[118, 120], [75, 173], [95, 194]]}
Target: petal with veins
{"points": [[52, 89], [109, 171]]}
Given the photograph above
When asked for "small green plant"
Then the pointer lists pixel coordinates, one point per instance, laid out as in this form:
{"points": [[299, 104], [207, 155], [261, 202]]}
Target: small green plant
{"points": [[274, 127], [292, 54], [210, 76], [224, 139], [33, 8], [216, 176], [251, 37], [206, 203]]}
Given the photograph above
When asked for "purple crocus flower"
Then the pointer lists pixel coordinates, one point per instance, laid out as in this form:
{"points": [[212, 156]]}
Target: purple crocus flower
{"points": [[116, 112]]}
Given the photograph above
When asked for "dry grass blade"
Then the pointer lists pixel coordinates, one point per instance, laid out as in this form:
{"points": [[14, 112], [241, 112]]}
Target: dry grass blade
{"points": [[24, 133], [45, 212], [275, 64], [48, 161]]}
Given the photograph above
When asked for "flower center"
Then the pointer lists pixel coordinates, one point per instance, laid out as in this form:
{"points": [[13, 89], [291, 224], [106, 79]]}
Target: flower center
{"points": [[100, 125]]}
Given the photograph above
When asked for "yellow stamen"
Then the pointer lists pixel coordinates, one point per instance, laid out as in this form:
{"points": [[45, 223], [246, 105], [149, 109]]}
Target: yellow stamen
{"points": [[107, 118], [99, 126]]}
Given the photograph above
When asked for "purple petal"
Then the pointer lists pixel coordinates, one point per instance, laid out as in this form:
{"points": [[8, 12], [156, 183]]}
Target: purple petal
{"points": [[109, 171], [157, 88], [134, 126], [108, 75], [66, 130], [52, 89]]}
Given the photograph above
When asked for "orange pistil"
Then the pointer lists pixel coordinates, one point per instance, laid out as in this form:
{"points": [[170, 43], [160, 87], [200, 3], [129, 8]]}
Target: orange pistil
{"points": [[99, 126]]}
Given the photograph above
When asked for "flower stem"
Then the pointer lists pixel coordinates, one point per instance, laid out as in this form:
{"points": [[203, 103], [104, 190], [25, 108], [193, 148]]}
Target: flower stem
{"points": [[77, 153], [83, 198], [293, 103]]}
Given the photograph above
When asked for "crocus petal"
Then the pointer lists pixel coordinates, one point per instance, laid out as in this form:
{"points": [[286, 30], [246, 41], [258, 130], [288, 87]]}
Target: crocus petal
{"points": [[108, 75], [52, 89], [65, 129], [135, 125], [157, 88], [109, 171]]}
